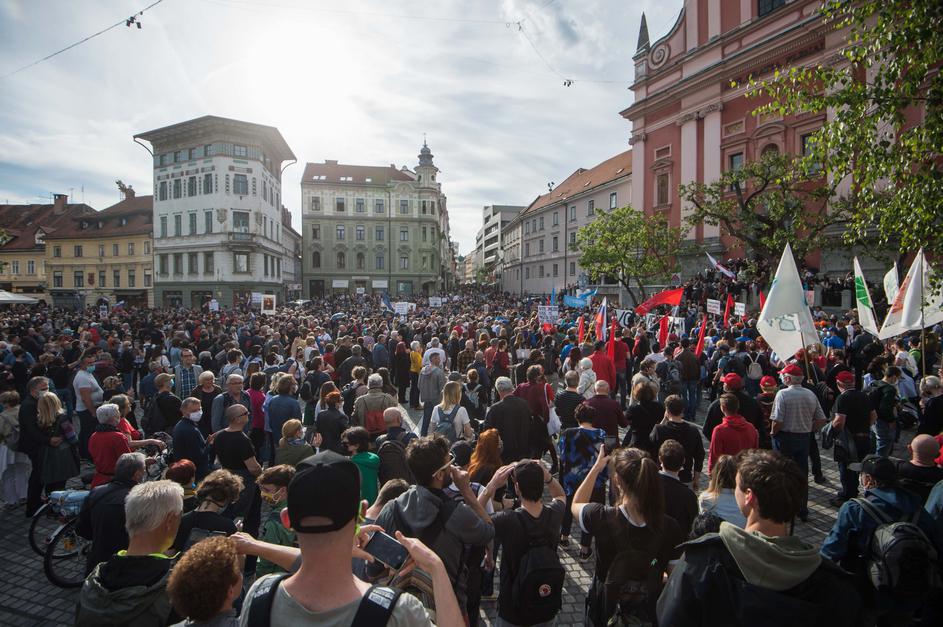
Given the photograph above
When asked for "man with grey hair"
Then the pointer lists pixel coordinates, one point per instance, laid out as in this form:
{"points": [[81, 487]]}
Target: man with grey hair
{"points": [[189, 442], [431, 382], [132, 585], [796, 413], [234, 395], [369, 408], [511, 417], [435, 349], [347, 366], [102, 517]]}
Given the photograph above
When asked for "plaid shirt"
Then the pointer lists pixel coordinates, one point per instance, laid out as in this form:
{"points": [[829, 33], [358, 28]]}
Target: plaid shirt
{"points": [[465, 359], [796, 408], [187, 382]]}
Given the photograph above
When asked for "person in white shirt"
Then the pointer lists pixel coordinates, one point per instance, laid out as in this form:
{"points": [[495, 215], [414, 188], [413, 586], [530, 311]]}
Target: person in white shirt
{"points": [[88, 396], [435, 348]]}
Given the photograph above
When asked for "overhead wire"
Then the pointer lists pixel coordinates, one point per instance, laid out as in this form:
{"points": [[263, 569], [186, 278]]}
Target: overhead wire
{"points": [[126, 21]]}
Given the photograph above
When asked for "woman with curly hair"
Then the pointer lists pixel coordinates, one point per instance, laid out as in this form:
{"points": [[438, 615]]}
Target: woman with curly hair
{"points": [[205, 582], [215, 493]]}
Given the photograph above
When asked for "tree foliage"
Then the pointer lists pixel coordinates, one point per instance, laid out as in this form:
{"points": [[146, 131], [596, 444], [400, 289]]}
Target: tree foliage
{"points": [[889, 67], [628, 245], [765, 204]]}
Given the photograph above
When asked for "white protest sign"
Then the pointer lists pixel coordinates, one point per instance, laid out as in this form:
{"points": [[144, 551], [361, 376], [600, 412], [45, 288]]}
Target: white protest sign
{"points": [[548, 314], [739, 309], [401, 308], [361, 291], [713, 306], [214, 305], [256, 298], [623, 316], [435, 301]]}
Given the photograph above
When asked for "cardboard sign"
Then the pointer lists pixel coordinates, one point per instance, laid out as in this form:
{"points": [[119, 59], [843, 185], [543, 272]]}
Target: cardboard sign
{"points": [[548, 314], [740, 309], [268, 303], [713, 306]]}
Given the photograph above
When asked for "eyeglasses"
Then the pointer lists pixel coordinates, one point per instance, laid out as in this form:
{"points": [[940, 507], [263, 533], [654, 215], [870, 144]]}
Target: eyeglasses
{"points": [[448, 463]]}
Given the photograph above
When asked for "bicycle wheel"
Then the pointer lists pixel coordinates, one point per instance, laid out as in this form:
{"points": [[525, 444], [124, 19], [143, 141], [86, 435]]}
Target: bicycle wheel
{"points": [[64, 561], [41, 528]]}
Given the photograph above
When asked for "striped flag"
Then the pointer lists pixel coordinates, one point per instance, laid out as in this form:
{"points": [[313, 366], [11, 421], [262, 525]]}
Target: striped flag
{"points": [[602, 316], [719, 267]]}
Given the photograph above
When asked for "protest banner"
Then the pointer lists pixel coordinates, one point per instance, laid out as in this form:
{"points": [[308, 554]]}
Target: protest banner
{"points": [[713, 306], [548, 314]]}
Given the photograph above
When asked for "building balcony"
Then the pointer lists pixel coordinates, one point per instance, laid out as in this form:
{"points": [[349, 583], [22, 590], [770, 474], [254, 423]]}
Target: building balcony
{"points": [[242, 239]]}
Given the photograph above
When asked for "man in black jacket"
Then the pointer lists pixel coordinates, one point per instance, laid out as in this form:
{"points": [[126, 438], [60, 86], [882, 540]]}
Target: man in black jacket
{"points": [[749, 409], [511, 417], [680, 502], [32, 440], [759, 575], [188, 439], [102, 517]]}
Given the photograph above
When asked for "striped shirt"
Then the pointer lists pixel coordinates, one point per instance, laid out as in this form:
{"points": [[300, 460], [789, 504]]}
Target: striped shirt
{"points": [[796, 408]]}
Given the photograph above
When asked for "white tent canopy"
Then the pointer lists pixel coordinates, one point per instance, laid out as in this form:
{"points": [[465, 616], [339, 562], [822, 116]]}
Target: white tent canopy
{"points": [[9, 298]]}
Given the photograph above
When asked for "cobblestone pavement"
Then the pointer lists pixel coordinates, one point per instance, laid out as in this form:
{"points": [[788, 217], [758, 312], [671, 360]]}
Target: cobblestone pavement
{"points": [[28, 599]]}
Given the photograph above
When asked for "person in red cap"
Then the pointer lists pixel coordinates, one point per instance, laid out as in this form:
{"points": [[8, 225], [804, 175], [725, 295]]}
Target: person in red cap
{"points": [[854, 416], [768, 388], [749, 409], [733, 435], [796, 413]]}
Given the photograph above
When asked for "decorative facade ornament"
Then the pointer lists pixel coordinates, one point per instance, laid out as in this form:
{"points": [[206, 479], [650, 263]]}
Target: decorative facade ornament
{"points": [[659, 55], [637, 137]]}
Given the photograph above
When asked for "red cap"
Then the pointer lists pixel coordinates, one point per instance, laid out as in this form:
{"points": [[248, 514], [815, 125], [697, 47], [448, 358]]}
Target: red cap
{"points": [[732, 380], [792, 369], [768, 382], [846, 376]]}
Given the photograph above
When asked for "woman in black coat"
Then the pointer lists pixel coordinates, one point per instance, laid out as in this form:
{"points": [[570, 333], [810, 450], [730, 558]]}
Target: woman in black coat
{"points": [[401, 370]]}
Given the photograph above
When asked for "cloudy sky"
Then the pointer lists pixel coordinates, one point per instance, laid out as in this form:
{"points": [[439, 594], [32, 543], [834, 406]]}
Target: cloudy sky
{"points": [[359, 81]]}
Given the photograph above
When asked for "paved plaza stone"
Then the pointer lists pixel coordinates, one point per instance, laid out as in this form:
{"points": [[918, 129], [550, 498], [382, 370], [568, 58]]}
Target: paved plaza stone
{"points": [[28, 599]]}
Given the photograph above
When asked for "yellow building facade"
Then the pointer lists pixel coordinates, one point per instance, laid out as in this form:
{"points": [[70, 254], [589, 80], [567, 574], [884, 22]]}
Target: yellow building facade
{"points": [[105, 257]]}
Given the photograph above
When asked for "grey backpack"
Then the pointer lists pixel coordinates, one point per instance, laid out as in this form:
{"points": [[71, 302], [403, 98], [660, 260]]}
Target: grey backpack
{"points": [[902, 560]]}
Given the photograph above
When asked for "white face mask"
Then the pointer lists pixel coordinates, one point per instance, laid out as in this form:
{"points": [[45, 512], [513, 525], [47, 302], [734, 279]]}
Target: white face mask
{"points": [[195, 416]]}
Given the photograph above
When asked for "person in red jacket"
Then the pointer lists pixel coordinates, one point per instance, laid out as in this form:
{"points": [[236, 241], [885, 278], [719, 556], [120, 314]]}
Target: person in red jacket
{"points": [[107, 444], [621, 367], [603, 366], [733, 435]]}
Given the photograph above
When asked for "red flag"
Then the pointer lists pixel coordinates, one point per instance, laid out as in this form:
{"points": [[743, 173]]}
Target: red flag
{"points": [[728, 309], [580, 330], [668, 297], [611, 349], [663, 331], [699, 350], [762, 300]]}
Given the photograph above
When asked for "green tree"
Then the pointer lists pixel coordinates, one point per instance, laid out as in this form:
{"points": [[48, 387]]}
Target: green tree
{"points": [[765, 204], [633, 248], [888, 76]]}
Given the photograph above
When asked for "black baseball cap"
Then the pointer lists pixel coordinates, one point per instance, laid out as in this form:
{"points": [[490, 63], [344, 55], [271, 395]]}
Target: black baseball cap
{"points": [[326, 485], [881, 468]]}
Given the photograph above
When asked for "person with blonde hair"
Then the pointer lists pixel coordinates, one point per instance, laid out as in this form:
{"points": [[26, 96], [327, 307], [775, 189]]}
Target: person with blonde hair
{"points": [[719, 497], [292, 447], [14, 465], [60, 462], [449, 418]]}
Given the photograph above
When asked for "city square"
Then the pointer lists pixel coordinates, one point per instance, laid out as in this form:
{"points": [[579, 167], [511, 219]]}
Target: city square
{"points": [[527, 312]]}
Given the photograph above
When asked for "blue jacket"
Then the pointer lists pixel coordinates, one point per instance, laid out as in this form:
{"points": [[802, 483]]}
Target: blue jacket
{"points": [[280, 410], [189, 444], [381, 356], [849, 540]]}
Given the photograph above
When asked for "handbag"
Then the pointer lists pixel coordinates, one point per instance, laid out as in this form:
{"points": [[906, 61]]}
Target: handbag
{"points": [[60, 463], [553, 423]]}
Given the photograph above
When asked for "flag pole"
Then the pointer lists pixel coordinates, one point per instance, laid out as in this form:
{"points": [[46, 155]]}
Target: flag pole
{"points": [[923, 328]]}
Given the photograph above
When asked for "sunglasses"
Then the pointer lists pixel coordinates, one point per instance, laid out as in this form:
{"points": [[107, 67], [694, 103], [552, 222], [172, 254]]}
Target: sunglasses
{"points": [[448, 463]]}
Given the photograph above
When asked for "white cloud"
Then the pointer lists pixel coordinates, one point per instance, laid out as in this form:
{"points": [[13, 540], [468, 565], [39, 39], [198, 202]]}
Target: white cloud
{"points": [[343, 81]]}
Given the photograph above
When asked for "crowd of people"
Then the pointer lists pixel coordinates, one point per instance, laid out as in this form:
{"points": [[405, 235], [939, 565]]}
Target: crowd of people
{"points": [[299, 491]]}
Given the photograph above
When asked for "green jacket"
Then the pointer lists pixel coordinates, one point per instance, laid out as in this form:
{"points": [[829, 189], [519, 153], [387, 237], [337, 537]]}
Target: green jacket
{"points": [[274, 531], [116, 593]]}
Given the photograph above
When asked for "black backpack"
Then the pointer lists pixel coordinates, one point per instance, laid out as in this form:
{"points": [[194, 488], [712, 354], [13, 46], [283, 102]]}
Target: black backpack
{"points": [[628, 594], [902, 560], [537, 589], [349, 394], [375, 608], [392, 454]]}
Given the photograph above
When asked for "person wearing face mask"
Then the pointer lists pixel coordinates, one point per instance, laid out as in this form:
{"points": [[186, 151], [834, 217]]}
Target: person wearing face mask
{"points": [[88, 396], [133, 582], [188, 439], [273, 482]]}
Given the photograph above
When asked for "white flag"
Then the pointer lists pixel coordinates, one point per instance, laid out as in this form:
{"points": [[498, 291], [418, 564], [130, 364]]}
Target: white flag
{"points": [[915, 306], [863, 302], [891, 284], [720, 268], [786, 322]]}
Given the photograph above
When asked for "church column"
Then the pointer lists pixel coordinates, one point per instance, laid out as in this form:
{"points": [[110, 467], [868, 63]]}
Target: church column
{"points": [[712, 156], [688, 124]]}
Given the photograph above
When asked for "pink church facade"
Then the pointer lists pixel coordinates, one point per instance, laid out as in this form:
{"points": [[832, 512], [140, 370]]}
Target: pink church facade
{"points": [[690, 124]]}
